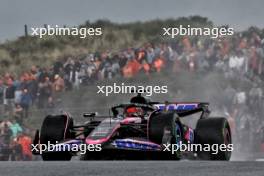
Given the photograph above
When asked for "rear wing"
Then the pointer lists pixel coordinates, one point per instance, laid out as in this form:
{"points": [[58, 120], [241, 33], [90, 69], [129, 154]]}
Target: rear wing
{"points": [[184, 108], [181, 108]]}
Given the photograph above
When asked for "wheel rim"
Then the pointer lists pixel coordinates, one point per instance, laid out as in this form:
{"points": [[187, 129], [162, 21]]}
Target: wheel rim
{"points": [[227, 141], [227, 137]]}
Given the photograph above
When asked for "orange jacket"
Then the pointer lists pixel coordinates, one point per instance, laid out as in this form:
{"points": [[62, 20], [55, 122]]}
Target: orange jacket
{"points": [[25, 142], [186, 43], [146, 68], [131, 68], [158, 64]]}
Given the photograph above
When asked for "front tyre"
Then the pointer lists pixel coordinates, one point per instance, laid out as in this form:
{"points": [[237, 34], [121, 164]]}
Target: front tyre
{"points": [[56, 129]]}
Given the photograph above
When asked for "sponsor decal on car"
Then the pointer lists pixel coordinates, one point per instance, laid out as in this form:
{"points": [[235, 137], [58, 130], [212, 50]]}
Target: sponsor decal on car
{"points": [[135, 144], [177, 106]]}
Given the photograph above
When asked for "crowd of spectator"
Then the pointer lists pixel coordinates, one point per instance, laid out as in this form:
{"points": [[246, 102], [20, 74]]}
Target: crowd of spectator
{"points": [[239, 57]]}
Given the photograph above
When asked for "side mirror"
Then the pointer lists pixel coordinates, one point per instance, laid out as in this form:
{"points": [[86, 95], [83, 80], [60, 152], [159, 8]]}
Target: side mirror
{"points": [[89, 114]]}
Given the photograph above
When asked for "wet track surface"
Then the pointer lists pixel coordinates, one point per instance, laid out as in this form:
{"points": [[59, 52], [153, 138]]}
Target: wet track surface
{"points": [[133, 168]]}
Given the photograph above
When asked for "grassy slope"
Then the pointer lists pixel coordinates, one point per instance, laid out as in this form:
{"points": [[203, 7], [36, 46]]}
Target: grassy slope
{"points": [[20, 54]]}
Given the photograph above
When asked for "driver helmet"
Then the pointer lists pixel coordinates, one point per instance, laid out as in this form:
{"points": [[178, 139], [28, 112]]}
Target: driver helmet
{"points": [[134, 112]]}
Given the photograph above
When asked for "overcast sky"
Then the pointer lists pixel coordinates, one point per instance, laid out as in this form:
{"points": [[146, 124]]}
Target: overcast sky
{"points": [[15, 13]]}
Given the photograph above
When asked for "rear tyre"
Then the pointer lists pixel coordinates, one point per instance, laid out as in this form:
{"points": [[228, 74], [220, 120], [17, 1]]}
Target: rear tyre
{"points": [[55, 129], [215, 132]]}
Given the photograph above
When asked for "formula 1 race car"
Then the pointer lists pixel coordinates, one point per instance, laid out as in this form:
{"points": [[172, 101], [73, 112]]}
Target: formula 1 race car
{"points": [[139, 129]]}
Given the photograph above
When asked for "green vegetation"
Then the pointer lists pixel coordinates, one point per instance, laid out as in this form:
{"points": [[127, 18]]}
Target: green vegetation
{"points": [[18, 55]]}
